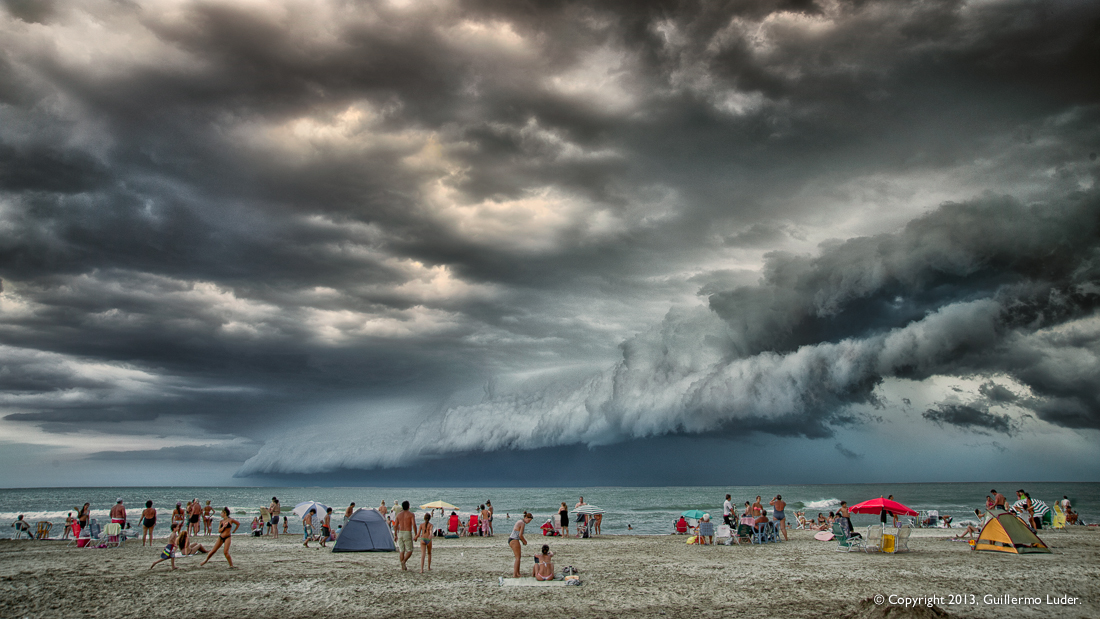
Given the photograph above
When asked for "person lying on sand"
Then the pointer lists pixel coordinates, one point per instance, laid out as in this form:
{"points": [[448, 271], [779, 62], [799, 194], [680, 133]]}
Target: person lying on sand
{"points": [[544, 565]]}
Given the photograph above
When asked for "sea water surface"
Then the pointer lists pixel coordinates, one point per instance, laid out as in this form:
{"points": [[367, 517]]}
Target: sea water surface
{"points": [[639, 510]]}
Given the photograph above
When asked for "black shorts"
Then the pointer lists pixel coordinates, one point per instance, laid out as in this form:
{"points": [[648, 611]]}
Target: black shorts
{"points": [[194, 518], [325, 533]]}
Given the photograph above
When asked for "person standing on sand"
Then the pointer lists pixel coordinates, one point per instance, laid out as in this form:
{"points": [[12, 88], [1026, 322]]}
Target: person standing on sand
{"points": [[275, 509], [757, 508], [83, 515], [483, 524], [425, 535], [998, 500], [177, 515], [326, 527], [895, 516], [489, 508], [194, 514], [727, 510], [208, 518], [118, 513], [385, 512], [148, 522], [225, 537], [348, 512], [582, 519], [780, 516], [517, 537], [404, 523], [69, 526], [563, 515]]}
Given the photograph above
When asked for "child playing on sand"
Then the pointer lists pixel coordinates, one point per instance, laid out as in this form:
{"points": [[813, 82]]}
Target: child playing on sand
{"points": [[167, 554]]}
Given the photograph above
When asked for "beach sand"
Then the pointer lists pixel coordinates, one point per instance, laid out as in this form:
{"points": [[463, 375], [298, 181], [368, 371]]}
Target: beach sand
{"points": [[624, 576]]}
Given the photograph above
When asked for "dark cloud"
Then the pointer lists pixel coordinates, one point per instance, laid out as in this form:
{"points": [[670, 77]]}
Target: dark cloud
{"points": [[181, 453], [848, 453], [969, 418], [998, 393], [232, 214]]}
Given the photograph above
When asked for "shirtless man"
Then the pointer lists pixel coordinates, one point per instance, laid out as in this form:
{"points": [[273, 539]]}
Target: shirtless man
{"points": [[404, 523], [195, 512], [118, 513], [326, 526], [348, 512], [998, 500], [582, 519], [275, 509], [779, 504]]}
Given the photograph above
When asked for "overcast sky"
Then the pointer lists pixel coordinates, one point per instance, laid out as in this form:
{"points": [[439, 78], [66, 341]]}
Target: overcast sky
{"points": [[257, 242]]}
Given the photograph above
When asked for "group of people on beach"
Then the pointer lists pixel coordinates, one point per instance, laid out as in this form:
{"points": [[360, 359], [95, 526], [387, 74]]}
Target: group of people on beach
{"points": [[181, 541]]}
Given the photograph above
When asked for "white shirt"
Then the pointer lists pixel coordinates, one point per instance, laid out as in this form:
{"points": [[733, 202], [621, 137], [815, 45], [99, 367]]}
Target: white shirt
{"points": [[727, 507]]}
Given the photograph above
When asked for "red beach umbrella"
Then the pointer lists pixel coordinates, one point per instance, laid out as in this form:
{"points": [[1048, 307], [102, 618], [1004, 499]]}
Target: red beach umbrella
{"points": [[877, 506]]}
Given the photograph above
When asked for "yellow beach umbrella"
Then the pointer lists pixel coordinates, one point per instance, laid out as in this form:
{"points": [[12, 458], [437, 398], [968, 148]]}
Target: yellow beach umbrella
{"points": [[438, 505]]}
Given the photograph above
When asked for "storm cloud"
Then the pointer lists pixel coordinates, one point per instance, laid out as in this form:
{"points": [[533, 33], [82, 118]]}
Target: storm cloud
{"points": [[492, 226]]}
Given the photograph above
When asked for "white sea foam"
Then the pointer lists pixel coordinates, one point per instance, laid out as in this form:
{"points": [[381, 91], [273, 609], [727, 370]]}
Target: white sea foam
{"points": [[822, 504]]}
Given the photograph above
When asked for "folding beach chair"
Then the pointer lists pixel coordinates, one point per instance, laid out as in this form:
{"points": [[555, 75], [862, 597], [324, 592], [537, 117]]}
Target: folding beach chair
{"points": [[112, 535], [844, 541], [42, 530], [723, 535], [902, 541], [873, 541]]}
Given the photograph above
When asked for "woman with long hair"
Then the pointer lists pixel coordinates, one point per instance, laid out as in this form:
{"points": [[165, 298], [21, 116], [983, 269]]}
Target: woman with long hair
{"points": [[516, 538], [225, 537]]}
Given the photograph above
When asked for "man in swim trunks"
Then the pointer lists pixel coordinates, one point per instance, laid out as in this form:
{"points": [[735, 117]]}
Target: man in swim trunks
{"points": [[194, 514], [404, 523], [275, 509], [779, 504], [998, 500], [118, 512]]}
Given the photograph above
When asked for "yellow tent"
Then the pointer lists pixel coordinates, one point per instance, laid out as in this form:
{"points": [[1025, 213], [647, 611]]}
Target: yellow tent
{"points": [[1007, 533]]}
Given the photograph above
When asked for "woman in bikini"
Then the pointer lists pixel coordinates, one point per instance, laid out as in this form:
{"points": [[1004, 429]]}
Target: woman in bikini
{"points": [[544, 566], [425, 535], [167, 554], [177, 515], [68, 526], [207, 518], [148, 521], [516, 538], [83, 515], [225, 537]]}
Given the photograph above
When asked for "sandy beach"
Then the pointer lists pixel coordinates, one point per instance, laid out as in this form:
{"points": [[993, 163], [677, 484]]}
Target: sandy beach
{"points": [[630, 576]]}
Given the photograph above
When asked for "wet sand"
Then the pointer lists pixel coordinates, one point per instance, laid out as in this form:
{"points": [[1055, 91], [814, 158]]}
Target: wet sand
{"points": [[625, 576]]}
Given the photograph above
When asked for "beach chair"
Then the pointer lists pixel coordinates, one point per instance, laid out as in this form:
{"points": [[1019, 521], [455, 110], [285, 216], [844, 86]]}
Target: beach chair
{"points": [[723, 535], [42, 529], [472, 528], [743, 535], [112, 535], [704, 532], [873, 541], [901, 544], [844, 541]]}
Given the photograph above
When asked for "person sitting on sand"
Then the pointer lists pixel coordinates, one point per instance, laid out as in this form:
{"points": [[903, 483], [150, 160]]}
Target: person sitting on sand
{"points": [[1071, 516], [544, 565], [185, 545], [167, 554]]}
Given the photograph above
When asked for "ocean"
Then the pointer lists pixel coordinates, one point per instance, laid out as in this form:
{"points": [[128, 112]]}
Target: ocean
{"points": [[646, 510]]}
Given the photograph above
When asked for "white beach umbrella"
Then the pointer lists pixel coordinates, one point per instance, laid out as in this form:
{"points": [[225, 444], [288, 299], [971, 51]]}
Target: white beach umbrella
{"points": [[301, 509], [587, 509], [1037, 506]]}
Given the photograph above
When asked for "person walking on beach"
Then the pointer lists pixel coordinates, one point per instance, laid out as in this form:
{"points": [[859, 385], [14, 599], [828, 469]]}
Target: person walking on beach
{"points": [[385, 512], [404, 523], [225, 537], [425, 535], [326, 527], [167, 554], [307, 526], [148, 522], [778, 504], [207, 518], [275, 509], [727, 510], [516, 538], [489, 508]]}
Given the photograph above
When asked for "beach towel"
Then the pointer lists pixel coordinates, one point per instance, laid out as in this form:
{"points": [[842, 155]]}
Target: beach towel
{"points": [[823, 536], [529, 581]]}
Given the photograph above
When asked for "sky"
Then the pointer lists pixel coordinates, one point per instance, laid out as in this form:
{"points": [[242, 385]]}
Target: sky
{"points": [[549, 243]]}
